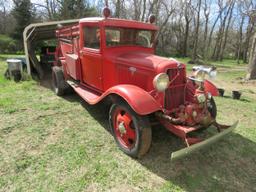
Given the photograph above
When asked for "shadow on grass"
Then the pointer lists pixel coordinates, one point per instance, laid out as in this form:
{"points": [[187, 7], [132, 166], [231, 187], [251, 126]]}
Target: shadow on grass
{"points": [[228, 165]]}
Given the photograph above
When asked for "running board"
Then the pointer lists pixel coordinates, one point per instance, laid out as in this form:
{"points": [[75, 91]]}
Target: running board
{"points": [[88, 95]]}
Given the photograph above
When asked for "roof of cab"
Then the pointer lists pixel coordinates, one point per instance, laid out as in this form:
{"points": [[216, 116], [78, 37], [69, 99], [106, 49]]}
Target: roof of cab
{"points": [[116, 22]]}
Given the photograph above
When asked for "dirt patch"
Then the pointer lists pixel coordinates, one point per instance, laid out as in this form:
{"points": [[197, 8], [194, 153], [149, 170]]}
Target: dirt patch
{"points": [[124, 188]]}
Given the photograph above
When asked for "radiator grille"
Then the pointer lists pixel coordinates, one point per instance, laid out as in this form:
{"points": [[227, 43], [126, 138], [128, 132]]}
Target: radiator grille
{"points": [[174, 95]]}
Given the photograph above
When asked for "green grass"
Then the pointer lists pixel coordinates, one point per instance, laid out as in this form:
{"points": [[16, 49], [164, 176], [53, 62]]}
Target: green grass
{"points": [[49, 143]]}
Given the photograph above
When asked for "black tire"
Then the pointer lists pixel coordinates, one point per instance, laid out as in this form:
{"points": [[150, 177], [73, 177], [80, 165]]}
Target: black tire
{"points": [[142, 129], [212, 108], [60, 86]]}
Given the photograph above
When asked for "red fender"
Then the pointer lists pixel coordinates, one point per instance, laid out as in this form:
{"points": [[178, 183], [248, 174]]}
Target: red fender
{"points": [[210, 87], [139, 100]]}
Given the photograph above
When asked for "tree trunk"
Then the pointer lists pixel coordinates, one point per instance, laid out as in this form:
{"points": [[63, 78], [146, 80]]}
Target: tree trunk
{"points": [[240, 40], [211, 34], [118, 8], [188, 18], [144, 10], [194, 55], [205, 35], [226, 33], [252, 61], [185, 45]]}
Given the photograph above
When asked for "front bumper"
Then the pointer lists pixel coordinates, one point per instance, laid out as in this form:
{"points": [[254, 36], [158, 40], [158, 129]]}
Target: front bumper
{"points": [[203, 144]]}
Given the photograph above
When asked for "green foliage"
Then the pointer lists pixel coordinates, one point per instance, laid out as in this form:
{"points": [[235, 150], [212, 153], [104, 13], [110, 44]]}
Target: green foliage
{"points": [[7, 44], [24, 14], [71, 9], [48, 143]]}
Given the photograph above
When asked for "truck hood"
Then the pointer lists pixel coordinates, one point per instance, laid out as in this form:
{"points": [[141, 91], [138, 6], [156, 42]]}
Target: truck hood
{"points": [[146, 61]]}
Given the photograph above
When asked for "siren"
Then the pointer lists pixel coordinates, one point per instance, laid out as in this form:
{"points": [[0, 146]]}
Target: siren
{"points": [[211, 71], [106, 12], [152, 18]]}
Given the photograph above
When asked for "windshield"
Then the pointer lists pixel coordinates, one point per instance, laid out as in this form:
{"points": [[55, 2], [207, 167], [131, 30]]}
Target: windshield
{"points": [[118, 36]]}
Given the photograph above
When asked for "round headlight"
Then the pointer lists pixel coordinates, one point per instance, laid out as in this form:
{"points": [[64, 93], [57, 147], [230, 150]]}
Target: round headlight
{"points": [[161, 82]]}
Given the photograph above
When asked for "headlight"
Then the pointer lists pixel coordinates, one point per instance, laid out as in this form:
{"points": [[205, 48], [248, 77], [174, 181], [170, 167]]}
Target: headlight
{"points": [[161, 82]]}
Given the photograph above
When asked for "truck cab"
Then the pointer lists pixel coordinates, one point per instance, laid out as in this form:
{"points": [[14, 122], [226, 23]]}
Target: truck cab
{"points": [[112, 58]]}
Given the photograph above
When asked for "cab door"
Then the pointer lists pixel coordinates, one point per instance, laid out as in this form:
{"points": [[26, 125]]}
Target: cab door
{"points": [[91, 56]]}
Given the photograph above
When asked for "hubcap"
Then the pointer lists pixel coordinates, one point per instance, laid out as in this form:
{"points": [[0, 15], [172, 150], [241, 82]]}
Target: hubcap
{"points": [[121, 128]]}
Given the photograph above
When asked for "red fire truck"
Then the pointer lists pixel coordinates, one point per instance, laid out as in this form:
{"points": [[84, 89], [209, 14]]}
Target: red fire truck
{"points": [[108, 58]]}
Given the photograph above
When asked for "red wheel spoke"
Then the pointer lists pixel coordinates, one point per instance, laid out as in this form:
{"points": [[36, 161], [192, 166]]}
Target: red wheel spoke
{"points": [[123, 130], [125, 139], [119, 117], [131, 133], [127, 119]]}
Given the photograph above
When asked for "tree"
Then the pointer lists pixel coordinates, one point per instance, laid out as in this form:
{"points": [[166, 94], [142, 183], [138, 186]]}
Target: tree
{"points": [[188, 18], [74, 9], [24, 14], [194, 55], [3, 15], [206, 9], [225, 15], [252, 61]]}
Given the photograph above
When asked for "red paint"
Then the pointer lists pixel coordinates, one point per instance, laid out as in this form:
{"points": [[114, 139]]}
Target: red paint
{"points": [[73, 66], [92, 68], [128, 72], [127, 137], [140, 101], [211, 88]]}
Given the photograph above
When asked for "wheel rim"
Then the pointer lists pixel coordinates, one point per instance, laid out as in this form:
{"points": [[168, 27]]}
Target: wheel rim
{"points": [[124, 128]]}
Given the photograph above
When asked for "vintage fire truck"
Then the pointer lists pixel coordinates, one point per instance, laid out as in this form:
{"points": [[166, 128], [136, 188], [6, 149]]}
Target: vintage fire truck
{"points": [[113, 59]]}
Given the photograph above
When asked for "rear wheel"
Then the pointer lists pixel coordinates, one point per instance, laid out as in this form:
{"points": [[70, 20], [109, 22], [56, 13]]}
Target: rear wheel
{"points": [[132, 132], [59, 84]]}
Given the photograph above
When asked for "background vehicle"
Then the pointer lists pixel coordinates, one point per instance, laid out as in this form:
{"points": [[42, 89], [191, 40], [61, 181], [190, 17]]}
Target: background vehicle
{"points": [[107, 58], [47, 55]]}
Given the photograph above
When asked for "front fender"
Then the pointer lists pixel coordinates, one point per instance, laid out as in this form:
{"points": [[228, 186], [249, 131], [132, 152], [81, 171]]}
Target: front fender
{"points": [[139, 100], [210, 87]]}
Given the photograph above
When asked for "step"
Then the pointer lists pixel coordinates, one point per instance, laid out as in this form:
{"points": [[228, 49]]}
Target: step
{"points": [[87, 94]]}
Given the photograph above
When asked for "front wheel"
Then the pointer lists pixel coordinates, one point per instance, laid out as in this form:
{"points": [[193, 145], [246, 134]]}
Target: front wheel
{"points": [[131, 131], [212, 108]]}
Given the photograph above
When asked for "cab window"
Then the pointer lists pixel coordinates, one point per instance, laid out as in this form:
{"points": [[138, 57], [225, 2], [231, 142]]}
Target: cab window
{"points": [[92, 37], [122, 36]]}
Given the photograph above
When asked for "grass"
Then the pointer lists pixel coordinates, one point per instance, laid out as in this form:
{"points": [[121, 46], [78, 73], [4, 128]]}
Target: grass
{"points": [[49, 143]]}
